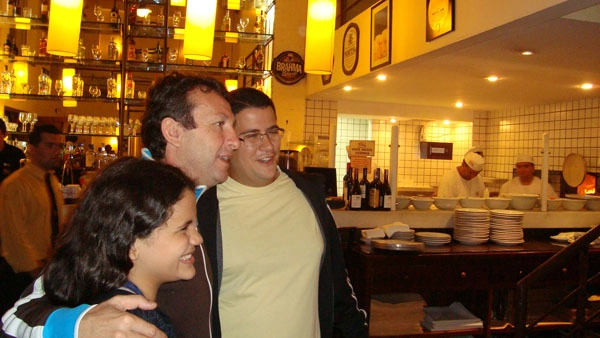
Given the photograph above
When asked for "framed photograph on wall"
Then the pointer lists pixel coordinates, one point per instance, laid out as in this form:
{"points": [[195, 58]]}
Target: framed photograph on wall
{"points": [[381, 34], [440, 18]]}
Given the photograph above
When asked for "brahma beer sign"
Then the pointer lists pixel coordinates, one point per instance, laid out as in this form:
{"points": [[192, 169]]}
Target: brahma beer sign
{"points": [[288, 67]]}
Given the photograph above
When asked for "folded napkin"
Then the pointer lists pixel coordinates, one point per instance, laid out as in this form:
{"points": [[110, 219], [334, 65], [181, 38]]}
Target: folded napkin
{"points": [[372, 233], [390, 229]]}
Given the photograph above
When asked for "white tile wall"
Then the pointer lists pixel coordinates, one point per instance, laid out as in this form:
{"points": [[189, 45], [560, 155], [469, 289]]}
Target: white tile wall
{"points": [[572, 127]]}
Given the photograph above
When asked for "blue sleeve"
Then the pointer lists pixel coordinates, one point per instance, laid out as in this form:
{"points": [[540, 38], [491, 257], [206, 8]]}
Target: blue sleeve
{"points": [[61, 323]]}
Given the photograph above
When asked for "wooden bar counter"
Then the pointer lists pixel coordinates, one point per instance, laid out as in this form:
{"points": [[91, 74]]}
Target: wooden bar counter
{"points": [[454, 268]]}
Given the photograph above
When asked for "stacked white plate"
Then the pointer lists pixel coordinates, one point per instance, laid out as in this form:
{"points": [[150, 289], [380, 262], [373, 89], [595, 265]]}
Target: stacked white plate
{"points": [[506, 227], [433, 238], [404, 235], [471, 226]]}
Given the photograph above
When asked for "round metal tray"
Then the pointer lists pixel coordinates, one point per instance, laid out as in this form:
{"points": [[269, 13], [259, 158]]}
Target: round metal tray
{"points": [[397, 245]]}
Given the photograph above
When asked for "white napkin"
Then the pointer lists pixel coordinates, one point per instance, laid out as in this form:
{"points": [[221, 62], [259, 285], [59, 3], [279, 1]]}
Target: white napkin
{"points": [[390, 229], [372, 233]]}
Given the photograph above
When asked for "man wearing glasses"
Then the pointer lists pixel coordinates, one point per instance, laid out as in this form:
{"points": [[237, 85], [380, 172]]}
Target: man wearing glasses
{"points": [[283, 273]]}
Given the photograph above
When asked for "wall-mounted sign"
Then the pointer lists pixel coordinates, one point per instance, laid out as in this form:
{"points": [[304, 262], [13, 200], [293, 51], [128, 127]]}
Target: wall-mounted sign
{"points": [[350, 49], [288, 67], [361, 148]]}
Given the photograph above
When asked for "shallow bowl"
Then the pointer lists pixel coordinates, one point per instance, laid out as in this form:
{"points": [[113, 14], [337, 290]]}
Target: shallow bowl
{"points": [[573, 204], [472, 202], [421, 203], [497, 202], [522, 201], [402, 202], [593, 204], [553, 204], [445, 203]]}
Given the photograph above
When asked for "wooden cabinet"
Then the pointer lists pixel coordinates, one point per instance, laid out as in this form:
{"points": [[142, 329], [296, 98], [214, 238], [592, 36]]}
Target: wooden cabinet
{"points": [[483, 273]]}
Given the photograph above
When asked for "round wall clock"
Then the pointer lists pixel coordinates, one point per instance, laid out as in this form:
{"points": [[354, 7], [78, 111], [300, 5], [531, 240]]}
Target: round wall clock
{"points": [[350, 49]]}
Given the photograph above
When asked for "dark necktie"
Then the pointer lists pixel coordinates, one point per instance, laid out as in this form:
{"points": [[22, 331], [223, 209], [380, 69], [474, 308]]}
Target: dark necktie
{"points": [[54, 209]]}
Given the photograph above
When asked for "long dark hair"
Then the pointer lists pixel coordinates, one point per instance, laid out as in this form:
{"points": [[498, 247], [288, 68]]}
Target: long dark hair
{"points": [[127, 200]]}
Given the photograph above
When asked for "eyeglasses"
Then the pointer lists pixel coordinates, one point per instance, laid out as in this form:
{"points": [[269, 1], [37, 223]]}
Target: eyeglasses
{"points": [[254, 139]]}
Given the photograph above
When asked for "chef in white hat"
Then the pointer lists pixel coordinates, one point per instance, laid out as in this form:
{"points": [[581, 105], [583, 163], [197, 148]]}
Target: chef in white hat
{"points": [[525, 182], [464, 180]]}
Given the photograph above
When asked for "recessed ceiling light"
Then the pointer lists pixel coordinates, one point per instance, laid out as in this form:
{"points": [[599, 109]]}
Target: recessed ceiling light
{"points": [[381, 77], [347, 88], [587, 86], [446, 122], [393, 120], [492, 78], [526, 52], [458, 104]]}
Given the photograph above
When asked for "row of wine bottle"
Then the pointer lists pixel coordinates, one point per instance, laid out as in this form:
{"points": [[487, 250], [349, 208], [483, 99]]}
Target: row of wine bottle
{"points": [[365, 195]]}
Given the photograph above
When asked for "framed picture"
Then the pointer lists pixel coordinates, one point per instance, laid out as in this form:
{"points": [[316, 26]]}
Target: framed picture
{"points": [[350, 49], [440, 18], [381, 34]]}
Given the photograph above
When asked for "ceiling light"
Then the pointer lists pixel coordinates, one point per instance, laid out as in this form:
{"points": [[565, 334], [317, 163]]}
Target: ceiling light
{"points": [[526, 52], [492, 78], [446, 122], [458, 104], [381, 77], [587, 86], [393, 120], [347, 88]]}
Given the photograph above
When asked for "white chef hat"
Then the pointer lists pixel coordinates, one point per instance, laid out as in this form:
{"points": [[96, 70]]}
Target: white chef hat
{"points": [[474, 161], [476, 149], [525, 158]]}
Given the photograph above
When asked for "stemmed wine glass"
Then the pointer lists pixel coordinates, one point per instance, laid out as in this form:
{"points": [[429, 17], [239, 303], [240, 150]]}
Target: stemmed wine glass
{"points": [[33, 120], [95, 91], [96, 52], [23, 120], [241, 63], [58, 85], [244, 23], [98, 13], [176, 18]]}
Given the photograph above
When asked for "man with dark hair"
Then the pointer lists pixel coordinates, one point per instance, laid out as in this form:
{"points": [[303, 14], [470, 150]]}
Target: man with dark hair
{"points": [[30, 204], [295, 284], [188, 123], [9, 154]]}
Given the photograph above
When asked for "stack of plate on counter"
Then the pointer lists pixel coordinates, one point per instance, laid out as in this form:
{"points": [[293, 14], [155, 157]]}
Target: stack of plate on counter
{"points": [[404, 235], [506, 227], [471, 226], [433, 238]]}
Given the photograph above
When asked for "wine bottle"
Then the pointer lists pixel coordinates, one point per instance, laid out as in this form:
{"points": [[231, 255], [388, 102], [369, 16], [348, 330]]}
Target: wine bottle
{"points": [[386, 192], [10, 8], [224, 60], [129, 86], [6, 84], [44, 10], [7, 46], [355, 193], [114, 13], [43, 45], [347, 183], [364, 197], [113, 52], [259, 58], [374, 189], [131, 49], [226, 23]]}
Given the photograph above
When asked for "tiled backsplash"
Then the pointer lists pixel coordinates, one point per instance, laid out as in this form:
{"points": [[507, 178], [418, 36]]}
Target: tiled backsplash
{"points": [[571, 127]]}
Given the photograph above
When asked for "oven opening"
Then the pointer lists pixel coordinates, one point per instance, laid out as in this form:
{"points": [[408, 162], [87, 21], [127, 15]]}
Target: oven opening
{"points": [[588, 186]]}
